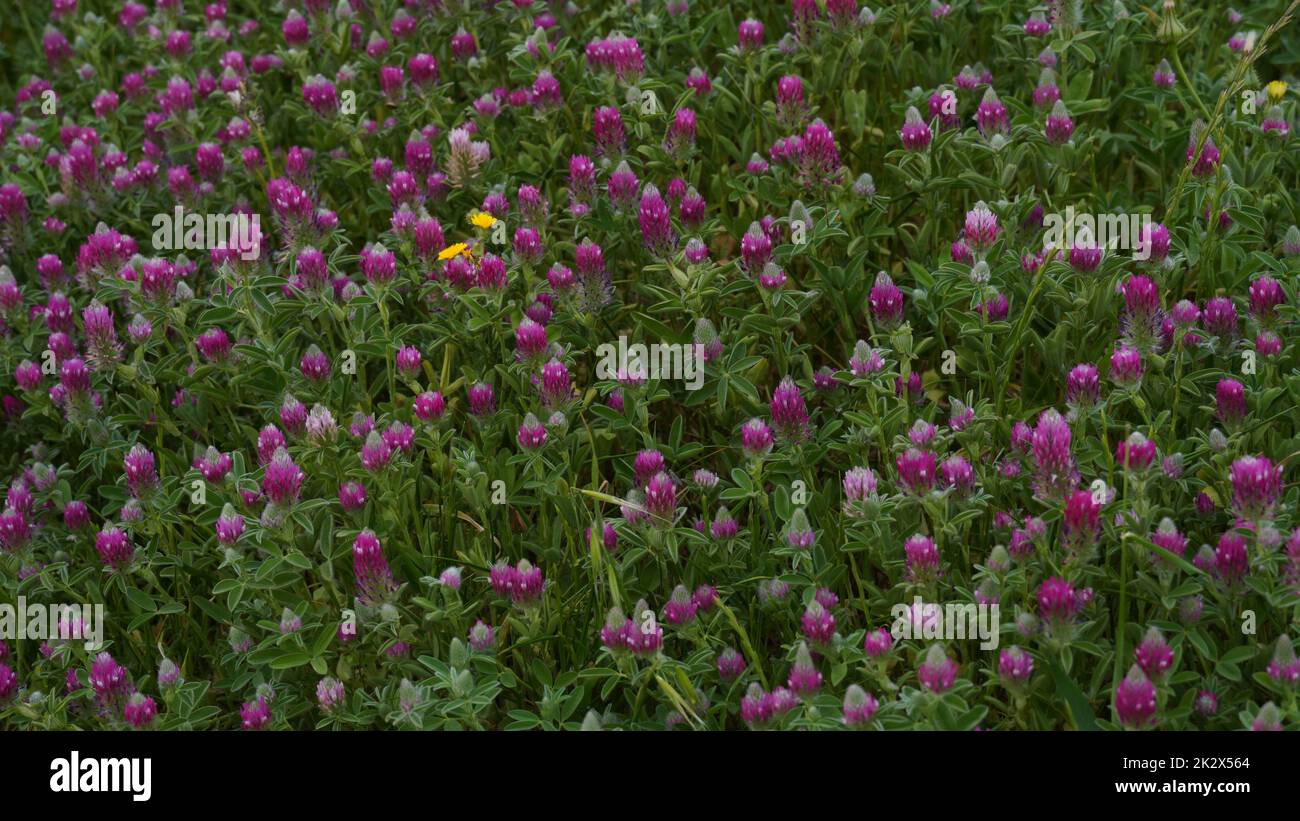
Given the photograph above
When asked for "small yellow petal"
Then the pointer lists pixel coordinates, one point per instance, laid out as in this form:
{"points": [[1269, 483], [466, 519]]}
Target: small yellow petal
{"points": [[1276, 90], [452, 250], [482, 220]]}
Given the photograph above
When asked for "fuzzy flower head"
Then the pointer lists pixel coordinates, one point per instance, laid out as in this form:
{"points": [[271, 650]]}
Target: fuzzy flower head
{"points": [[789, 414], [866, 360], [1230, 403], [958, 475], [818, 624], [230, 526], [922, 558], [991, 115], [981, 229], [860, 492], [532, 433], [1141, 317], [114, 548], [1268, 719], [1135, 699], [804, 680], [482, 399], [1082, 387], [937, 672], [1256, 487], [1015, 666], [661, 499], [915, 134], [1058, 603], [1167, 537], [859, 706], [798, 532], [1136, 453], [1229, 559], [886, 302], [1154, 655], [1206, 160], [1220, 319], [1055, 472], [656, 225], [141, 471], [1126, 366], [1283, 667], [681, 606], [917, 471], [756, 439], [374, 580]]}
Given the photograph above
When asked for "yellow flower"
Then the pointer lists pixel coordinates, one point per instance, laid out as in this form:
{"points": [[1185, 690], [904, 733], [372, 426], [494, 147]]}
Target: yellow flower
{"points": [[482, 220], [1276, 91], [452, 250]]}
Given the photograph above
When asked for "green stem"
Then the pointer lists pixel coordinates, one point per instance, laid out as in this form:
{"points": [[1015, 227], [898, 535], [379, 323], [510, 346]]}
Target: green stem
{"points": [[1187, 81], [1123, 613], [1020, 330]]}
